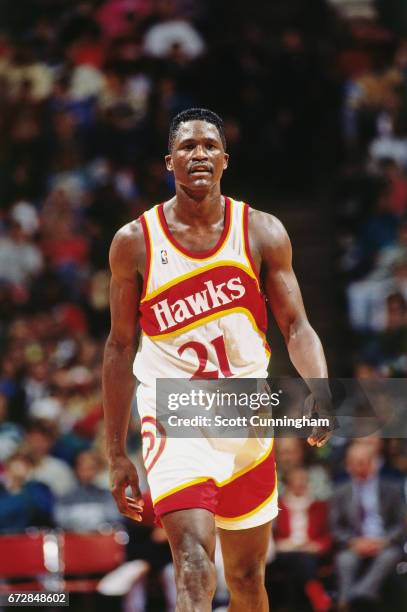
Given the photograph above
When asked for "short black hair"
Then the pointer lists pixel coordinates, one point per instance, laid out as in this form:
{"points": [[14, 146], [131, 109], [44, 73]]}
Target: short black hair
{"points": [[195, 114]]}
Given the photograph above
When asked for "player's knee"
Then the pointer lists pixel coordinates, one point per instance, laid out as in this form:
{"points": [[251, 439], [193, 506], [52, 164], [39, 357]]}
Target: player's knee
{"points": [[247, 578], [195, 573]]}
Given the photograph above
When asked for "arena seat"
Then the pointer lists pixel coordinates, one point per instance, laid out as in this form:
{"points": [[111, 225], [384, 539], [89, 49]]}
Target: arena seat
{"points": [[22, 557], [87, 557]]}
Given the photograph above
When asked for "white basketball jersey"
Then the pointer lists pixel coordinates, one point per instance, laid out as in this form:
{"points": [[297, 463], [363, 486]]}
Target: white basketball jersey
{"points": [[202, 314]]}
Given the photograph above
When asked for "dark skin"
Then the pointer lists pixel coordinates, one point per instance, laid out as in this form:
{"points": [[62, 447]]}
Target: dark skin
{"points": [[195, 216]]}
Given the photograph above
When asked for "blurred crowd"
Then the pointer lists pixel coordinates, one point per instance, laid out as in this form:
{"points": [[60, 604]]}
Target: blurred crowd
{"points": [[87, 91], [372, 205]]}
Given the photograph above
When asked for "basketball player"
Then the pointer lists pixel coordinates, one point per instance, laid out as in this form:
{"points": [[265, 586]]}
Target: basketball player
{"points": [[188, 271]]}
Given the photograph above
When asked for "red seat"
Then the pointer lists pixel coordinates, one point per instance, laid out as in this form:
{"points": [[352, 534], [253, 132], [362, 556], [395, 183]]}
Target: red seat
{"points": [[22, 556], [89, 554], [72, 557]]}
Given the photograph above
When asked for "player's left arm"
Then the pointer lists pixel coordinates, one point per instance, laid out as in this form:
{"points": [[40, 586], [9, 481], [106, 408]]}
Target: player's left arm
{"points": [[271, 249]]}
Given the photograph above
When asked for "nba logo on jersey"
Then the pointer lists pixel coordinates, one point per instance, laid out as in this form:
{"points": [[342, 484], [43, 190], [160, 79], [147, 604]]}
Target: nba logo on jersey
{"points": [[164, 256]]}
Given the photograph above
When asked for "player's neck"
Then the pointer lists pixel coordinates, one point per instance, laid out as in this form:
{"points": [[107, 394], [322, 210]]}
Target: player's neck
{"points": [[198, 207]]}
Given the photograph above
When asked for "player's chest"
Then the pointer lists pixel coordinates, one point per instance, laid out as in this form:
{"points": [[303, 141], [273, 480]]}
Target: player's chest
{"points": [[196, 239]]}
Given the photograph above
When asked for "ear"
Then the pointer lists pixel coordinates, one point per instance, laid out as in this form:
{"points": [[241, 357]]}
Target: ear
{"points": [[168, 163], [226, 161]]}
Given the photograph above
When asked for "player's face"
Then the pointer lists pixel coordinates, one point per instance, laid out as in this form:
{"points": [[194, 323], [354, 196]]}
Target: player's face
{"points": [[198, 158]]}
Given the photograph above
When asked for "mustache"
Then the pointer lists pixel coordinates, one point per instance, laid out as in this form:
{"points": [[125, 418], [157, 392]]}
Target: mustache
{"points": [[206, 167]]}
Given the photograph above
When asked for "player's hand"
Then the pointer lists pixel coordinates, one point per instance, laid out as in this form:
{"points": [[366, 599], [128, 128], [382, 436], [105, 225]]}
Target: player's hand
{"points": [[123, 474], [319, 434]]}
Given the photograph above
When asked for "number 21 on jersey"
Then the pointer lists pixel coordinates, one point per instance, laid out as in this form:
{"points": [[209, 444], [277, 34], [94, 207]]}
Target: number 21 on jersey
{"points": [[202, 355]]}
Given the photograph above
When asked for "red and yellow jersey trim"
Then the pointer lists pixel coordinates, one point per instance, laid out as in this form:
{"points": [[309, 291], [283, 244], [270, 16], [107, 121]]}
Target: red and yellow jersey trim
{"points": [[213, 317], [197, 255], [202, 296], [200, 270], [148, 245]]}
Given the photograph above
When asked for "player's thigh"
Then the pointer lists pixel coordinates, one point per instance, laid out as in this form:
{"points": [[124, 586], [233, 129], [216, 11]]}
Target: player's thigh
{"points": [[245, 551], [190, 532]]}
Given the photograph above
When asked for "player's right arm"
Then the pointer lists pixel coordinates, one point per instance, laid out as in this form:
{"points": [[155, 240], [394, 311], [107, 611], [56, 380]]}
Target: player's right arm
{"points": [[127, 261]]}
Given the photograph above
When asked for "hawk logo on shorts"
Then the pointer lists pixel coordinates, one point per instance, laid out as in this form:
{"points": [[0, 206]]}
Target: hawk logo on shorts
{"points": [[164, 256]]}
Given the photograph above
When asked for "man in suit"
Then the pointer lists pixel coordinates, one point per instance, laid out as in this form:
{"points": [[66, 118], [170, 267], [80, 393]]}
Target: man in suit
{"points": [[368, 525]]}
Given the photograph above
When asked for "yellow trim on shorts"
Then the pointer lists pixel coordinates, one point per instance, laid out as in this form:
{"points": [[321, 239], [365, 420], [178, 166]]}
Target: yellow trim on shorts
{"points": [[217, 482], [187, 275], [247, 468], [179, 488]]}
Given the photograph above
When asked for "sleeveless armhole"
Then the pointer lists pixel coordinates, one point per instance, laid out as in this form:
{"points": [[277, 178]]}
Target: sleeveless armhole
{"points": [[247, 250], [147, 241]]}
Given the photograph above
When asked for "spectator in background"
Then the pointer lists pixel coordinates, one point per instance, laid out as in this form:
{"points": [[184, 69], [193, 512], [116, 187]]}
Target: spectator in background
{"points": [[36, 381], [368, 299], [116, 17], [396, 459], [380, 228], [10, 433], [20, 258], [20, 66], [170, 31], [87, 507], [302, 538], [290, 455], [355, 9], [390, 255], [390, 146], [38, 442], [62, 244], [389, 346], [26, 216], [397, 195], [384, 467], [10, 388], [396, 455], [368, 525], [24, 502]]}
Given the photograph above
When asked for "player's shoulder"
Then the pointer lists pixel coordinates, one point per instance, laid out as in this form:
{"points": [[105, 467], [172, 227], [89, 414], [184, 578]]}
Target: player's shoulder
{"points": [[127, 250], [266, 227], [129, 238]]}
